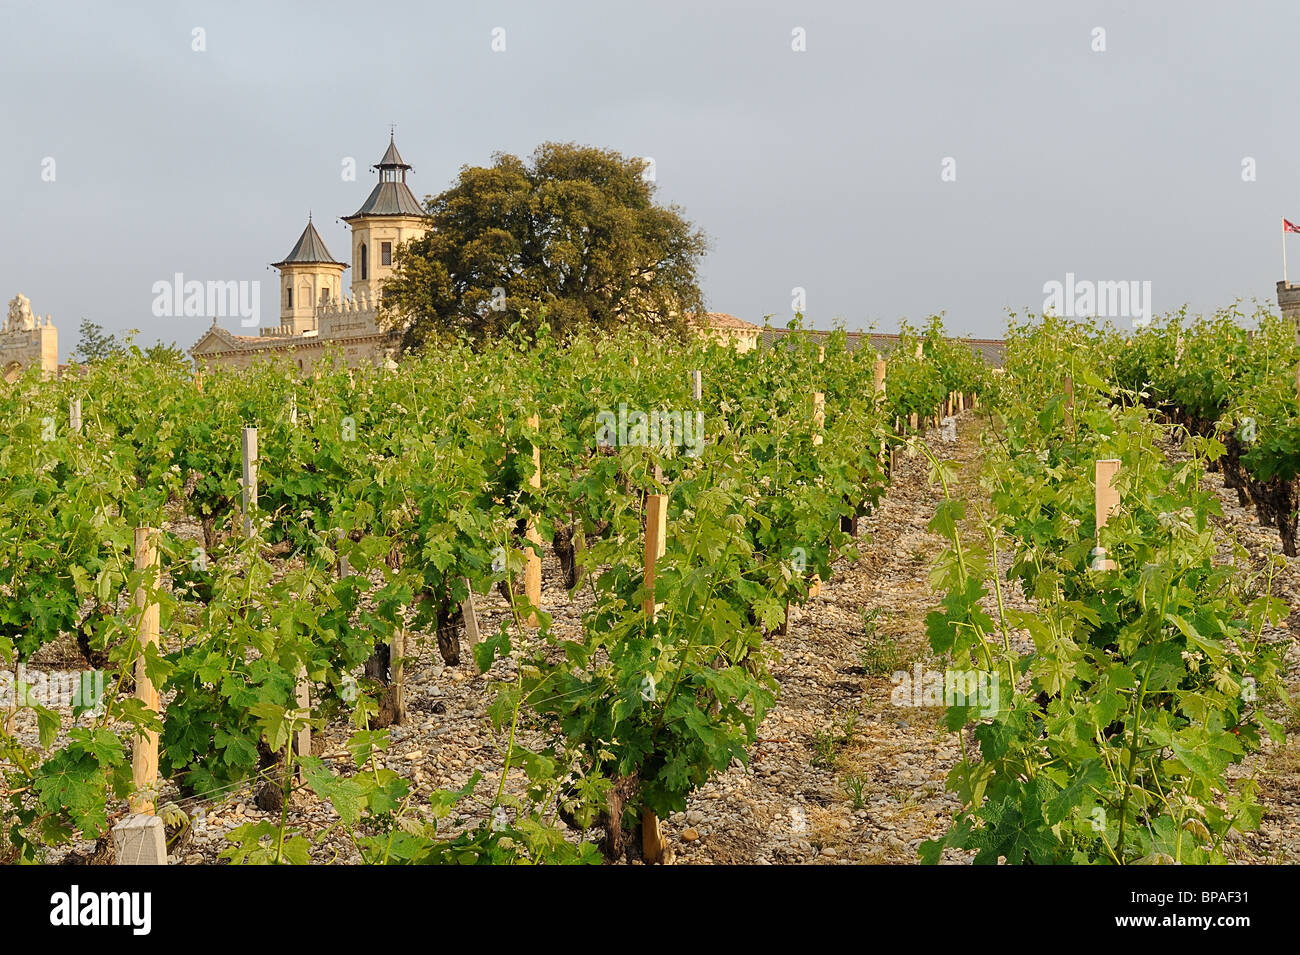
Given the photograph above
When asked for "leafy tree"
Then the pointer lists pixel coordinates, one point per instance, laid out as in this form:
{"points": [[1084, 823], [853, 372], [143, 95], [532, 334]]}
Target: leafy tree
{"points": [[167, 353], [572, 237], [95, 343]]}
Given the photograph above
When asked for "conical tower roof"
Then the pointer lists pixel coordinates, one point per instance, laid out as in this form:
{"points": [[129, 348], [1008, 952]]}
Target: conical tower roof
{"points": [[309, 249], [392, 158]]}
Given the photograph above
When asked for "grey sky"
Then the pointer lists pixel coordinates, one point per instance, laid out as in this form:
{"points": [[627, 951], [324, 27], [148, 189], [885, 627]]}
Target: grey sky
{"points": [[818, 169]]}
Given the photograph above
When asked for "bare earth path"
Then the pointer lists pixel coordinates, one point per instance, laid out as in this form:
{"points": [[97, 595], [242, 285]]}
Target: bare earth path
{"points": [[839, 774]]}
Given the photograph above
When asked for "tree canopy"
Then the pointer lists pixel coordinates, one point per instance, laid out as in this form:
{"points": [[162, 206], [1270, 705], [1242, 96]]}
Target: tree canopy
{"points": [[95, 344], [573, 234]]}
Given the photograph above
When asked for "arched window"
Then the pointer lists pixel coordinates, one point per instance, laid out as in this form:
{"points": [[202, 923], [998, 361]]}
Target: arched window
{"points": [[364, 265]]}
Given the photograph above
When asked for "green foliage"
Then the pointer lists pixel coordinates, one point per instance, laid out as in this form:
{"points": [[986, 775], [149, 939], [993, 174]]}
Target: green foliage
{"points": [[1112, 736], [420, 481]]}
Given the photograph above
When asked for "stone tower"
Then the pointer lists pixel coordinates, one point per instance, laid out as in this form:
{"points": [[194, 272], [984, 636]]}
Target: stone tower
{"points": [[391, 215], [309, 277], [27, 339], [1288, 299]]}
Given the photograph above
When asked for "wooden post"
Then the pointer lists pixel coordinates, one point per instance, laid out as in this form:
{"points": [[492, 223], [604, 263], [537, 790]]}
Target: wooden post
{"points": [[302, 738], [74, 415], [697, 386], [878, 373], [1107, 502], [471, 617], [821, 354], [1069, 402], [920, 349], [819, 421], [250, 478], [293, 410], [533, 567], [302, 695], [396, 677], [913, 421], [144, 756], [653, 843], [961, 401], [656, 533]]}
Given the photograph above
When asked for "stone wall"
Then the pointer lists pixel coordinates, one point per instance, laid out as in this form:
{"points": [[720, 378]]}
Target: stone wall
{"points": [[349, 328]]}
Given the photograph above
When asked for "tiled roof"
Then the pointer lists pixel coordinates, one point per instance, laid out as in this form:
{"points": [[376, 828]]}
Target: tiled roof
{"points": [[723, 320], [391, 196], [992, 350], [389, 199]]}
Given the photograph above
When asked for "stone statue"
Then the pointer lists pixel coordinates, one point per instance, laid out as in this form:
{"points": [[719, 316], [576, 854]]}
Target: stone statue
{"points": [[20, 317]]}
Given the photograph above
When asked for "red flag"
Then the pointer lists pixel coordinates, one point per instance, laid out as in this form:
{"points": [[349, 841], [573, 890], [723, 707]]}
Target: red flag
{"points": [[1289, 226]]}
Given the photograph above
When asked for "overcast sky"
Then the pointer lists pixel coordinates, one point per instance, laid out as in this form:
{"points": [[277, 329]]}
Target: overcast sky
{"points": [[819, 169]]}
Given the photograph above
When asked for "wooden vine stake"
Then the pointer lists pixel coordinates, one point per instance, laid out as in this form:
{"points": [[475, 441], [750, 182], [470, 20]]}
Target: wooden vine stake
{"points": [[144, 756], [396, 677], [1069, 403], [697, 385], [653, 843], [302, 692], [249, 478], [819, 422], [139, 838], [533, 567], [471, 616], [878, 390], [74, 415], [1107, 502]]}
